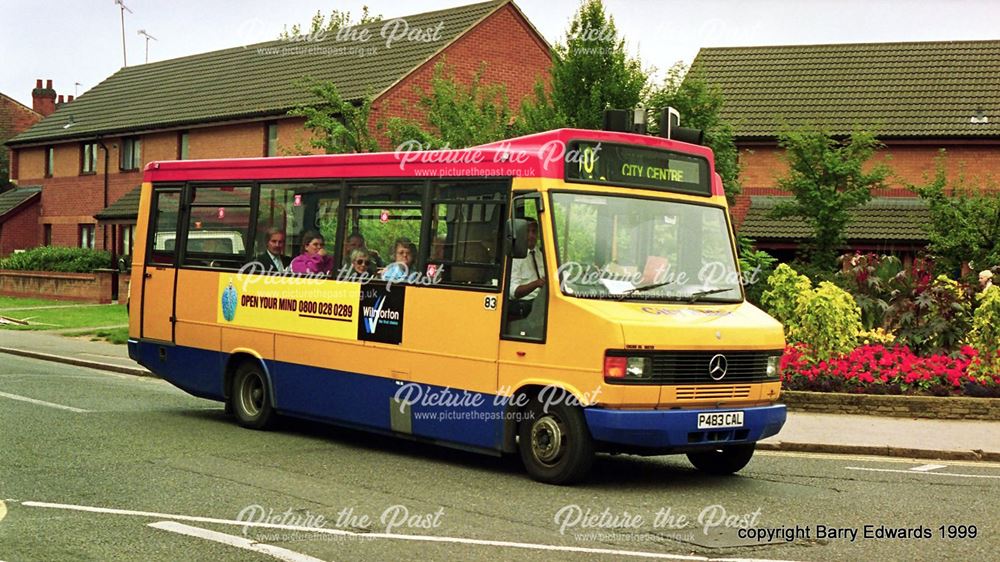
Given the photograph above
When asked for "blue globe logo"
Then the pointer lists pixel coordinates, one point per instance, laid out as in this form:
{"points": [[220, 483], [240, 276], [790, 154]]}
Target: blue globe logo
{"points": [[229, 300]]}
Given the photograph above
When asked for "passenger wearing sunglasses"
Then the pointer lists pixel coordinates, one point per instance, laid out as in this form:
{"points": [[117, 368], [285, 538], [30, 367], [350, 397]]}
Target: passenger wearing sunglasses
{"points": [[360, 262]]}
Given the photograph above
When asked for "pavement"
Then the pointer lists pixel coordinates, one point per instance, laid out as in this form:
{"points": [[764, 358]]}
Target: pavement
{"points": [[809, 432]]}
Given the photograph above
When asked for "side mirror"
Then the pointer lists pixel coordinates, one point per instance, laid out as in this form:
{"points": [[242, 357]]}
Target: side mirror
{"points": [[517, 238]]}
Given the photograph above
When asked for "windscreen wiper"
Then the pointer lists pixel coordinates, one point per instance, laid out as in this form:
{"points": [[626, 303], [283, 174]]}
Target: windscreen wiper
{"points": [[694, 296], [645, 288]]}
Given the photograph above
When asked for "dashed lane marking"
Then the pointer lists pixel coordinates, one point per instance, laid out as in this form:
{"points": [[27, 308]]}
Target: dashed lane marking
{"points": [[232, 540], [925, 472], [928, 467], [43, 403], [869, 458]]}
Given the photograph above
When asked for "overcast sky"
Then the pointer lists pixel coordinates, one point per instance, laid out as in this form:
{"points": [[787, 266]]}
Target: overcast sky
{"points": [[72, 41]]}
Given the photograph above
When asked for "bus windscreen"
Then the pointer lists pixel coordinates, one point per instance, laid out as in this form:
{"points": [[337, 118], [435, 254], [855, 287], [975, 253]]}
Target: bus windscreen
{"points": [[637, 166]]}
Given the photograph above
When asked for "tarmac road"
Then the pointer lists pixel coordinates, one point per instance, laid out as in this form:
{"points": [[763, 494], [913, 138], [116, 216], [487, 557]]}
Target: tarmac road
{"points": [[95, 465]]}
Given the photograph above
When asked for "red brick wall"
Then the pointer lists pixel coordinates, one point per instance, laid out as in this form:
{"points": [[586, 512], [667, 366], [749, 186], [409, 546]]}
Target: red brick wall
{"points": [[504, 41], [909, 163], [15, 118], [20, 230]]}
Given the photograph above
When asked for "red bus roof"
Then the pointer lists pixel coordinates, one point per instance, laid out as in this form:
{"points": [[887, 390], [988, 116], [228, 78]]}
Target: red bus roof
{"points": [[538, 155]]}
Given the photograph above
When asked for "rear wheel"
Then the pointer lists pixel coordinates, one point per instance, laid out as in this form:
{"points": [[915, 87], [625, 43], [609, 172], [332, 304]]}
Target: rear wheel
{"points": [[722, 460], [555, 446], [250, 399]]}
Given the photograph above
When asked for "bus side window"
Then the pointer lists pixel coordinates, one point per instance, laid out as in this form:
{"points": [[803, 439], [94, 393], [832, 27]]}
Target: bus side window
{"points": [[166, 206], [466, 231], [218, 227]]}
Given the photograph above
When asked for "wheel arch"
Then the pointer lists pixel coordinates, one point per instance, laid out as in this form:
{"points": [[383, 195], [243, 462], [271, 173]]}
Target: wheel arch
{"points": [[238, 357], [531, 388]]}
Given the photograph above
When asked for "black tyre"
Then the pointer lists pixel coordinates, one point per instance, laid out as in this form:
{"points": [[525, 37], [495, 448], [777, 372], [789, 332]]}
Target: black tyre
{"points": [[250, 399], [723, 460], [555, 446]]}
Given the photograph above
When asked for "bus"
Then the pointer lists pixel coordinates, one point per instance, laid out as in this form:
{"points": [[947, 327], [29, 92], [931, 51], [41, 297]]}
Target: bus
{"points": [[562, 294]]}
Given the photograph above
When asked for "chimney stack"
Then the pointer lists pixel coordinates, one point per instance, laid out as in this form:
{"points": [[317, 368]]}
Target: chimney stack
{"points": [[70, 98], [60, 100], [43, 100]]}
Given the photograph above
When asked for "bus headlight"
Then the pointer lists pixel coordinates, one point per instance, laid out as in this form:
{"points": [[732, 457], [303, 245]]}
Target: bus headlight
{"points": [[772, 366], [627, 367], [638, 367]]}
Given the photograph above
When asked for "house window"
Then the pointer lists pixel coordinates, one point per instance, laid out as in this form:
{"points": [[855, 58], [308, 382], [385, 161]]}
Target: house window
{"points": [[271, 140], [87, 235], [128, 232], [50, 157], [182, 146], [131, 154], [47, 234], [88, 158]]}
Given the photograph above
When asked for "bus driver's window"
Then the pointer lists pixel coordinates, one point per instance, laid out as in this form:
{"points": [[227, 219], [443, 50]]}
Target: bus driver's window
{"points": [[527, 286]]}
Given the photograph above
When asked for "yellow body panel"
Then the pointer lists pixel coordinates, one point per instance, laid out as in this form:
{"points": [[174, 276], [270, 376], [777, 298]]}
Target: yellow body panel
{"points": [[451, 339]]}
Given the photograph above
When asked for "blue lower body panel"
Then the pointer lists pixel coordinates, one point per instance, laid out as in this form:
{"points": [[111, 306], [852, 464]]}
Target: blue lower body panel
{"points": [[433, 412], [678, 429]]}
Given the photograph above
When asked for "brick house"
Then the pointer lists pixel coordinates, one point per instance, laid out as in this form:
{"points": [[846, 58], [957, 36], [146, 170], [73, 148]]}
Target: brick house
{"points": [[88, 155], [918, 98], [19, 207]]}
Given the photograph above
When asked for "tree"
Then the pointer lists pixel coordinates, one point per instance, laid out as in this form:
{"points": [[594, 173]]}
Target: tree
{"points": [[538, 113], [965, 221], [338, 125], [699, 105], [592, 70], [319, 25], [826, 176], [458, 116]]}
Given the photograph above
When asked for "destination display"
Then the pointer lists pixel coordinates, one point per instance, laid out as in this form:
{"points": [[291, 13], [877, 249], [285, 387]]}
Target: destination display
{"points": [[638, 166]]}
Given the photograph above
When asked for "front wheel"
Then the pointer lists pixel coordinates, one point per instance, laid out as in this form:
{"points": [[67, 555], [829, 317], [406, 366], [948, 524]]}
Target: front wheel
{"points": [[723, 460], [250, 400], [555, 446]]}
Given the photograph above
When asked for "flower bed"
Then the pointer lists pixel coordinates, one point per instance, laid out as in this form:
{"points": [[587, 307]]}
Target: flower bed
{"points": [[876, 369]]}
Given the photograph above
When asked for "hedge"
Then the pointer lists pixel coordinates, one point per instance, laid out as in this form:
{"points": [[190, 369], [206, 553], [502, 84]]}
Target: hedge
{"points": [[52, 258]]}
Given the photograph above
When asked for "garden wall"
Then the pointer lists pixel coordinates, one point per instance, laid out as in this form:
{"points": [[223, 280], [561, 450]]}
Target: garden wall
{"points": [[81, 287], [936, 407]]}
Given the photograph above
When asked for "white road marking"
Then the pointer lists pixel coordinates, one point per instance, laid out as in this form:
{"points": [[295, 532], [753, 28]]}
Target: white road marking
{"points": [[43, 403], [928, 467], [930, 473], [868, 458], [393, 536], [233, 540]]}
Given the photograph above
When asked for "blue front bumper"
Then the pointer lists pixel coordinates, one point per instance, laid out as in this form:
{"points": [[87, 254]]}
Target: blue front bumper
{"points": [[678, 429]]}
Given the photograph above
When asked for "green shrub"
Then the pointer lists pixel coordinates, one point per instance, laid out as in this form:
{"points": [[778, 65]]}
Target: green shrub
{"points": [[756, 266], [781, 298], [54, 258], [827, 320], [985, 336], [985, 333]]}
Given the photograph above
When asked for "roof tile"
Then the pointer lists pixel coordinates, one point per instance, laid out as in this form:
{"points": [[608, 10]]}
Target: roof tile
{"points": [[930, 89]]}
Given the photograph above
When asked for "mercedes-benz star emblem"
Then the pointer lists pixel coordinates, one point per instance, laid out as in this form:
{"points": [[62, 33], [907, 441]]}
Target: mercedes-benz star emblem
{"points": [[717, 367]]}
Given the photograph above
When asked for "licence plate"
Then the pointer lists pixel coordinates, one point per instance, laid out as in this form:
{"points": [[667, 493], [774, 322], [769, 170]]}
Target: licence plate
{"points": [[708, 420]]}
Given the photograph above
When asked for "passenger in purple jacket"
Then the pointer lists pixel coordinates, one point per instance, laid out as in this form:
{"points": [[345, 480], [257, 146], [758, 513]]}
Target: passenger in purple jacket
{"points": [[314, 258]]}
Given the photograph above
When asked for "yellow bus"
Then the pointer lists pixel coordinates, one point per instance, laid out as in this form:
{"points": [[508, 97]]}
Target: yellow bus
{"points": [[553, 296]]}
